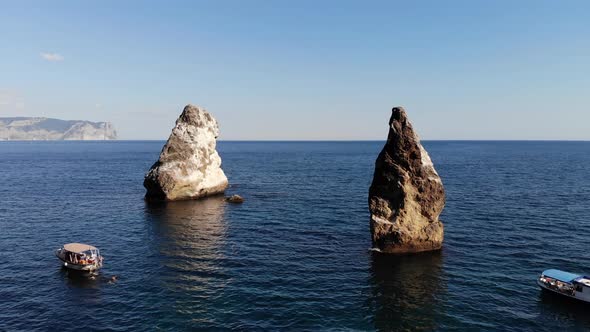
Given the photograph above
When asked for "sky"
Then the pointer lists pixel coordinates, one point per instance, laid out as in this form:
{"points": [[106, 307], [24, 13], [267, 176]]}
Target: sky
{"points": [[303, 70]]}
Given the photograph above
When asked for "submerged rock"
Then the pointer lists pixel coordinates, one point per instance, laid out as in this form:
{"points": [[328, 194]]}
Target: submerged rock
{"points": [[407, 195], [235, 199], [189, 167]]}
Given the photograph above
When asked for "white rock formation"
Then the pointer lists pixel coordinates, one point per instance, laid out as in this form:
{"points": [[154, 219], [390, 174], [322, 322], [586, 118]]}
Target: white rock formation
{"points": [[189, 167]]}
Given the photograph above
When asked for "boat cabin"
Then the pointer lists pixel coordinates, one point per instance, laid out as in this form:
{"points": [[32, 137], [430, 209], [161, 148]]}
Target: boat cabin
{"points": [[80, 256], [582, 285], [79, 253], [565, 283]]}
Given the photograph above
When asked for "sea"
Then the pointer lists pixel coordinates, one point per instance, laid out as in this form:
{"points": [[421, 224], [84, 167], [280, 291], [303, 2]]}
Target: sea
{"points": [[295, 256]]}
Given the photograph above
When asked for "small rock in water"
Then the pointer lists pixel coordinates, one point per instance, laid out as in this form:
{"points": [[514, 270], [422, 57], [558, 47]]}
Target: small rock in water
{"points": [[235, 199]]}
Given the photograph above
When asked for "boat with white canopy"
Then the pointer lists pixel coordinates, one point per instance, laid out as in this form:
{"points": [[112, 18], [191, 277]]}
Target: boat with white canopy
{"points": [[567, 284], [80, 256]]}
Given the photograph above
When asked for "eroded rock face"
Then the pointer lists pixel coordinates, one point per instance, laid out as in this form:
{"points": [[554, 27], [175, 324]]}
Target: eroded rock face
{"points": [[407, 195], [189, 167]]}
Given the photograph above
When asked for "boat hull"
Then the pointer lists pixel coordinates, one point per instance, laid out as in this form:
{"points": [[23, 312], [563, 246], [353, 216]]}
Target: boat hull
{"points": [[553, 291]]}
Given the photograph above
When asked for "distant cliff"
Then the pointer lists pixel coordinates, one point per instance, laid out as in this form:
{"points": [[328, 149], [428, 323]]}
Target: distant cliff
{"points": [[29, 128]]}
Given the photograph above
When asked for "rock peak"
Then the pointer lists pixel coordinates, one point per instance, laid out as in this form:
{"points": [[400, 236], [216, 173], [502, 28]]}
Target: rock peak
{"points": [[192, 109], [399, 110], [189, 166], [406, 196]]}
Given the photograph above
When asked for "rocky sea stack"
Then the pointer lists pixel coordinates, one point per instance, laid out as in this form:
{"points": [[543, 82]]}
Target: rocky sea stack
{"points": [[189, 167], [407, 195]]}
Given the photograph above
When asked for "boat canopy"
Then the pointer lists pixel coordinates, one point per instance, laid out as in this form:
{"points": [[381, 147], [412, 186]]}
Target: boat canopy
{"points": [[78, 248], [560, 275]]}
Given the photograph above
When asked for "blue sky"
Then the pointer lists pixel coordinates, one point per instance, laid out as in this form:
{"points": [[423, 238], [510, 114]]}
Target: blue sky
{"points": [[303, 69]]}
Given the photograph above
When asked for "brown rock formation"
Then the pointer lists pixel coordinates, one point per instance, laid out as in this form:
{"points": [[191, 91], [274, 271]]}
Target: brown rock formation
{"points": [[407, 195]]}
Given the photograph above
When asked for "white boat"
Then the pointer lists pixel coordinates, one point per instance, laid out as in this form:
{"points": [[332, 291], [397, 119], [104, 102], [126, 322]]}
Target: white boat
{"points": [[572, 285], [79, 256]]}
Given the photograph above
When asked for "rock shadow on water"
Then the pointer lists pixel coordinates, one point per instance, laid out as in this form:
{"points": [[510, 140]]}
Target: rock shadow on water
{"points": [[407, 291]]}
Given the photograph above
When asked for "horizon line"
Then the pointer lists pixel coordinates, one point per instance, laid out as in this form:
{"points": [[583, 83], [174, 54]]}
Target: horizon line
{"points": [[317, 140], [314, 140]]}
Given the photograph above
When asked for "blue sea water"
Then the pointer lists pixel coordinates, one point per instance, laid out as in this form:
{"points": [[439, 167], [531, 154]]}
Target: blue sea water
{"points": [[295, 255]]}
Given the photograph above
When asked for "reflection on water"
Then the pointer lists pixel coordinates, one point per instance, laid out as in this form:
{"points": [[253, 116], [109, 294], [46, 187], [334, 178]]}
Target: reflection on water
{"points": [[82, 287], [189, 235], [407, 291], [560, 308], [80, 279], [188, 239]]}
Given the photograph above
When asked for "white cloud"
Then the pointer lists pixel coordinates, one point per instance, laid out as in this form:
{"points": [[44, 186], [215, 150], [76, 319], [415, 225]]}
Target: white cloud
{"points": [[52, 56]]}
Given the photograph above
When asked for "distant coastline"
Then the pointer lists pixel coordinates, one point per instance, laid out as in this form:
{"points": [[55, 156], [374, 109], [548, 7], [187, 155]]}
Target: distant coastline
{"points": [[49, 129]]}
